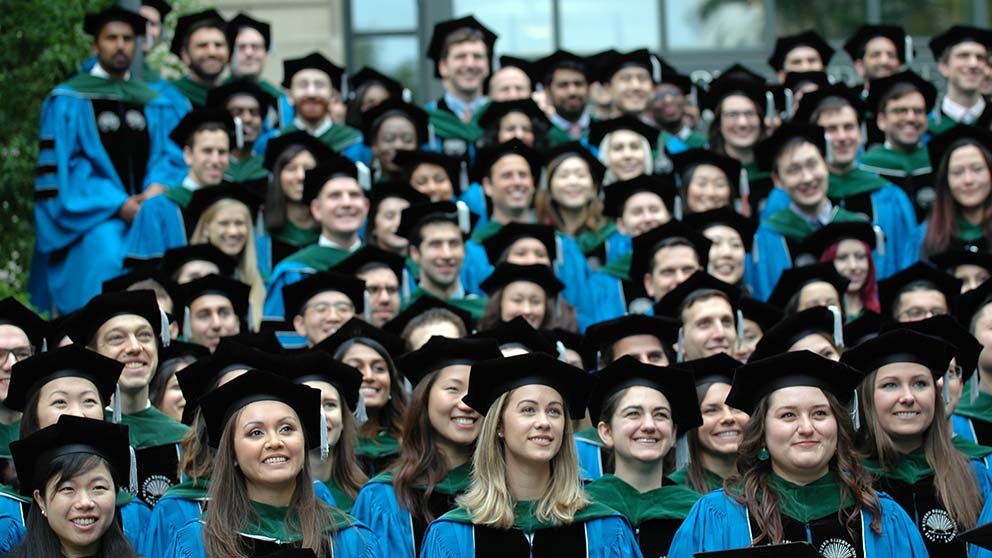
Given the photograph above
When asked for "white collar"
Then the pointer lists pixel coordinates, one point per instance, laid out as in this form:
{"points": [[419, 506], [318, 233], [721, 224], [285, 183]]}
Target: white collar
{"points": [[190, 184], [98, 71], [319, 130], [328, 243], [961, 113]]}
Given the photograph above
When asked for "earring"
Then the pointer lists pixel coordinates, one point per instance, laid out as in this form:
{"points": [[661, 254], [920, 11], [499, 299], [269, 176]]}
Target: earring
{"points": [[500, 434], [44, 513], [763, 455]]}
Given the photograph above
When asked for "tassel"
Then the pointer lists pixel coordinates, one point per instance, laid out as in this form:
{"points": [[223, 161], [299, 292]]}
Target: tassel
{"points": [[164, 324], [463, 181], [973, 387], [937, 116], [947, 389], [44, 345], [364, 176], [250, 320], [361, 413], [406, 283], [115, 416], [677, 208], [694, 95], [754, 253], [132, 480], [680, 355], [239, 133], [855, 414], [464, 219], [368, 306], [558, 311], [344, 85], [838, 326], [769, 106], [879, 240], [431, 133], [908, 45], [828, 150], [324, 449], [681, 453], [562, 355], [407, 95], [559, 253], [542, 183], [187, 333], [655, 68], [740, 329], [599, 358], [789, 99], [744, 189]]}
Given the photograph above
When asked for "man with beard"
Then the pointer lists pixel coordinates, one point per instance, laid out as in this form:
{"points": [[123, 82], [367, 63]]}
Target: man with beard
{"points": [[201, 44], [878, 51], [462, 50], [104, 150], [668, 109], [250, 41], [962, 55], [248, 104], [806, 51], [313, 81], [566, 84]]}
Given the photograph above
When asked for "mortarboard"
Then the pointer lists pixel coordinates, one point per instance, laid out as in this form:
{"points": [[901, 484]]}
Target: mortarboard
{"points": [[296, 295], [205, 18], [312, 61], [436, 46], [785, 44], [490, 379], [792, 281], [755, 380], [678, 386], [30, 375], [440, 352]]}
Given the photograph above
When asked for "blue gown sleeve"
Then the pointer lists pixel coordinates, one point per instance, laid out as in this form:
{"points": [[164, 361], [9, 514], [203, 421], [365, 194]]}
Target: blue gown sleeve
{"points": [[448, 539], [168, 517], [895, 215], [770, 256], [714, 523], [376, 507], [135, 517], [572, 270], [285, 273], [618, 245], [475, 198], [608, 293], [354, 150], [777, 200], [323, 493], [611, 537], [590, 460], [475, 268], [11, 533], [166, 165], [187, 542], [357, 541], [157, 227], [899, 537], [962, 427]]}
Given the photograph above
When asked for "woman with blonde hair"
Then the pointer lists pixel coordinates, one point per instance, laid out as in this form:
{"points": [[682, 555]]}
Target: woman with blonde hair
{"points": [[525, 497]]}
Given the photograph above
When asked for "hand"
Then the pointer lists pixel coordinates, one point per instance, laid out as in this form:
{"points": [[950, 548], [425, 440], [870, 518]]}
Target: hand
{"points": [[129, 208], [151, 191]]}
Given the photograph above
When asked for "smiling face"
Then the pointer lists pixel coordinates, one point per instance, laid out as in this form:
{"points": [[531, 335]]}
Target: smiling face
{"points": [[707, 189], [569, 91], [750, 335], [269, 446], [571, 184], [523, 298], [740, 122], [723, 426], [341, 207], [802, 172], [322, 315], [173, 402], [246, 108], [229, 228], [432, 181], [394, 133], [387, 222], [293, 173], [905, 397], [904, 120], [14, 340], [330, 405], [440, 254], [726, 261], [465, 66], [384, 293], [212, 316], [641, 428], [671, 266], [642, 212], [510, 186], [376, 381], [802, 59], [509, 84], [851, 261], [207, 157], [455, 423], [626, 154], [249, 54], [533, 424], [310, 91], [207, 53], [843, 131], [968, 177], [964, 66], [631, 88], [129, 339], [516, 125], [800, 433], [708, 328], [70, 395], [80, 509], [881, 59]]}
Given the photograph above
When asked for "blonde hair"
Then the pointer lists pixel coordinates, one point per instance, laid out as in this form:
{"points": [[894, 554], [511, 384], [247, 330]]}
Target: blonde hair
{"points": [[604, 157], [247, 270], [488, 499]]}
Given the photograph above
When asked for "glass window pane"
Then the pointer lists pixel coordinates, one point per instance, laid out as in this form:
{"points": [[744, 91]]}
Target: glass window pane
{"points": [[709, 25], [589, 26], [925, 17], [383, 15], [523, 26], [836, 19], [397, 57]]}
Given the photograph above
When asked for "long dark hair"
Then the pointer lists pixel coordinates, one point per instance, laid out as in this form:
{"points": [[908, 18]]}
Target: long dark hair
{"points": [[166, 370], [750, 486], [943, 228], [274, 209], [695, 473], [40, 541], [197, 457], [715, 138], [345, 472], [490, 136], [566, 319], [547, 209], [390, 417]]}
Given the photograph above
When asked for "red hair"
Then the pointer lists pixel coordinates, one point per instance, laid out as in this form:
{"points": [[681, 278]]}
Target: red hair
{"points": [[868, 291]]}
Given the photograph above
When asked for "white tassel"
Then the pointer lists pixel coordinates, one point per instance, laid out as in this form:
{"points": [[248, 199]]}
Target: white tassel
{"points": [[681, 453], [838, 326], [164, 324], [344, 85], [855, 414], [187, 333], [464, 219], [879, 240], [239, 133], [677, 208], [463, 181], [559, 256], [864, 131], [655, 68], [132, 480], [908, 45], [431, 133], [361, 413], [406, 95], [828, 150], [789, 98], [680, 355], [973, 386], [368, 306], [740, 329], [694, 95], [115, 416], [324, 449], [937, 116], [44, 345], [364, 176], [562, 355], [405, 280], [947, 389], [769, 106]]}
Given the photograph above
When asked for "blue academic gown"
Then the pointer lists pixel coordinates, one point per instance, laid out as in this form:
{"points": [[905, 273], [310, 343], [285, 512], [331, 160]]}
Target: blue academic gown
{"points": [[606, 537], [354, 541], [8, 529], [717, 522], [286, 272], [79, 238], [377, 507], [590, 456]]}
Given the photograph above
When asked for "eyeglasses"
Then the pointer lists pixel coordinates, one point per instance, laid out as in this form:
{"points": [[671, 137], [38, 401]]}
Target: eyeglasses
{"points": [[955, 371], [745, 114], [20, 353], [915, 313], [322, 308]]}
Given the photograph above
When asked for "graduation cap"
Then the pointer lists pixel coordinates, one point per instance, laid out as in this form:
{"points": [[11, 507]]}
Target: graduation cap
{"points": [[375, 116], [219, 96], [487, 157], [436, 46], [979, 536], [571, 340], [93, 22], [524, 65], [958, 34], [727, 217], [855, 45], [822, 239], [369, 76], [795, 80], [333, 167], [162, 6], [890, 289], [424, 303], [71, 435], [764, 314], [250, 193], [243, 20], [175, 258], [518, 331], [84, 325], [793, 328], [415, 217], [181, 349], [497, 244], [940, 144], [186, 23], [967, 348], [787, 43], [392, 189], [296, 295], [30, 375], [182, 134], [562, 59], [440, 352], [312, 61], [811, 102], [972, 302], [672, 76], [757, 379], [615, 196], [560, 152], [901, 345], [12, 312], [124, 281], [367, 256], [951, 259], [490, 379], [689, 159], [602, 335], [218, 405], [600, 128], [880, 87], [410, 160], [318, 366], [505, 273], [792, 281], [234, 291], [768, 150], [715, 368], [671, 304], [356, 327], [496, 110], [616, 61], [280, 143], [647, 244], [677, 385], [737, 81], [786, 550], [597, 61], [864, 327]]}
